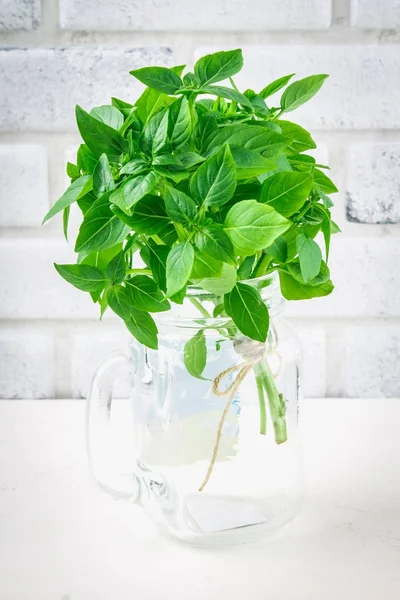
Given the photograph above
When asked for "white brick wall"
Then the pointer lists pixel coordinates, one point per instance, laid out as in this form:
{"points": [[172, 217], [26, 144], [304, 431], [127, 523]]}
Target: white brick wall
{"points": [[19, 14], [56, 53], [181, 15]]}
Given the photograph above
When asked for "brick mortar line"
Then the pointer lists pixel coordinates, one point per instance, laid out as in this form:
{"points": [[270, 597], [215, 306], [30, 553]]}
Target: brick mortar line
{"points": [[335, 35]]}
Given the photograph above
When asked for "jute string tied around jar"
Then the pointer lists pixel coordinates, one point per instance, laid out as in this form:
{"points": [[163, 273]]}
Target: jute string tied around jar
{"points": [[252, 352]]}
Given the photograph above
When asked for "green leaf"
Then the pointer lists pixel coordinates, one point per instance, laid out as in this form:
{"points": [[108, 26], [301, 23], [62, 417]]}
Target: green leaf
{"points": [[85, 160], [110, 115], [205, 266], [195, 355], [83, 277], [275, 86], [140, 324], [214, 181], [323, 182], [124, 107], [294, 290], [116, 269], [100, 229], [134, 190], [66, 212], [287, 191], [155, 133], [251, 137], [179, 123], [159, 78], [146, 295], [310, 257], [99, 137], [205, 129], [150, 102], [219, 285], [247, 310], [225, 92], [252, 226], [218, 66], [169, 173], [179, 266], [76, 190], [246, 268], [103, 181], [134, 167], [294, 269], [250, 163], [301, 91], [301, 138], [148, 215], [189, 159], [157, 261], [180, 208], [278, 249], [214, 241], [73, 171]]}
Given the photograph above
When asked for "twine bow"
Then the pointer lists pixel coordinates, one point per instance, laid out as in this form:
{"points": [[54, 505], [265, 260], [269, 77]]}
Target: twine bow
{"points": [[253, 353]]}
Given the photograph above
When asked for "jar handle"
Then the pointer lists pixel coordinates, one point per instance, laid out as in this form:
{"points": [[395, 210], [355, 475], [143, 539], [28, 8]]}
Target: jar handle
{"points": [[101, 450]]}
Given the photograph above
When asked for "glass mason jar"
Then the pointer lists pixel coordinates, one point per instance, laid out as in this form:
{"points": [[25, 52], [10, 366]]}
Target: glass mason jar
{"points": [[216, 459]]}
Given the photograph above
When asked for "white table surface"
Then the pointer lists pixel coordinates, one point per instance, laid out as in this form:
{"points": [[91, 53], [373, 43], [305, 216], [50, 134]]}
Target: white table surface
{"points": [[63, 539]]}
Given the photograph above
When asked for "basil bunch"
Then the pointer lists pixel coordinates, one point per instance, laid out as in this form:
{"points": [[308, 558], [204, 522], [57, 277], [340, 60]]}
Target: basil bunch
{"points": [[211, 186]]}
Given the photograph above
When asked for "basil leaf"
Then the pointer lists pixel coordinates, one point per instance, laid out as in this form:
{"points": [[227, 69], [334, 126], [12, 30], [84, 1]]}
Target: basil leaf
{"points": [[301, 139], [124, 107], [278, 249], [219, 285], [83, 277], [99, 137], [148, 215], [205, 129], [66, 212], [189, 159], [179, 266], [179, 123], [247, 310], [214, 241], [205, 266], [301, 91], [294, 269], [140, 324], [252, 226], [145, 294], [134, 167], [246, 268], [323, 183], [116, 269], [159, 78], [286, 191], [85, 160], [180, 208], [214, 181], [150, 102], [72, 171], [294, 290], [195, 355], [109, 115], [250, 163], [251, 137], [133, 190], [80, 187], [275, 86], [100, 229], [103, 181], [218, 66], [225, 92], [157, 261], [155, 133], [310, 257]]}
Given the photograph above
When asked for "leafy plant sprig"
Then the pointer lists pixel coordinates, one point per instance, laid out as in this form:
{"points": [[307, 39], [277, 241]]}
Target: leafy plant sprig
{"points": [[211, 186]]}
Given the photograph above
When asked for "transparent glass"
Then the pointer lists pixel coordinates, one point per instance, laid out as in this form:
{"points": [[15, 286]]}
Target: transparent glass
{"points": [[217, 460]]}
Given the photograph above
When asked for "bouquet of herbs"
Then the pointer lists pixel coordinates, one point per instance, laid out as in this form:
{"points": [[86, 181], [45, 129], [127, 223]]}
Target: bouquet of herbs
{"points": [[212, 187]]}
